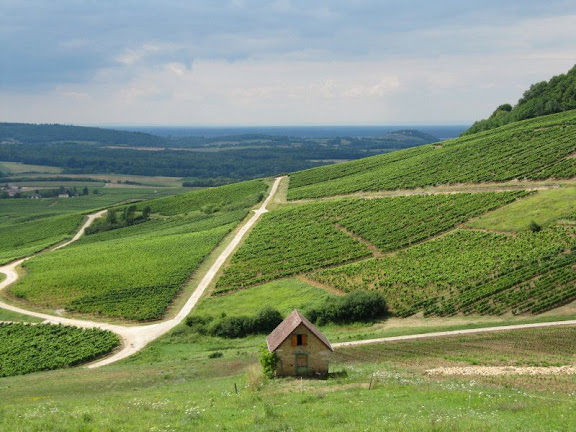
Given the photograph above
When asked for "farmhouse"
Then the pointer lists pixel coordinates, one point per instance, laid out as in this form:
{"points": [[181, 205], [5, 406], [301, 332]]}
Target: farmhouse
{"points": [[301, 348]]}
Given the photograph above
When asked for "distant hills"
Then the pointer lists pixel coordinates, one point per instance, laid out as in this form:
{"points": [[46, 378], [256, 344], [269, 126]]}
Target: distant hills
{"points": [[203, 161], [543, 98]]}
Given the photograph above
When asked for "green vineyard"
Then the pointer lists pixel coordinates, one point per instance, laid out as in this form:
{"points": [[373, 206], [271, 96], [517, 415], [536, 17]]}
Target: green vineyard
{"points": [[533, 149], [28, 348], [300, 238], [136, 271], [470, 272]]}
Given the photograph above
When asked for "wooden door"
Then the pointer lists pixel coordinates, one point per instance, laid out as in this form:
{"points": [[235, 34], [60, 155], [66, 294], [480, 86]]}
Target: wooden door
{"points": [[301, 364]]}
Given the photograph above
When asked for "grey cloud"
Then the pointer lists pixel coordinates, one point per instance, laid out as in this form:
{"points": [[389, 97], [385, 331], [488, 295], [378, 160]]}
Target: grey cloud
{"points": [[43, 42]]}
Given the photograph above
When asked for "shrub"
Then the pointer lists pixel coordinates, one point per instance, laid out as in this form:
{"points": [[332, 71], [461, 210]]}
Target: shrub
{"points": [[264, 321], [267, 319], [359, 306], [268, 360], [534, 227]]}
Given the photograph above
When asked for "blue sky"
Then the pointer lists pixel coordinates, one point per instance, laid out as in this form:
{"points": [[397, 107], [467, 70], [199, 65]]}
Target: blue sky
{"points": [[285, 62]]}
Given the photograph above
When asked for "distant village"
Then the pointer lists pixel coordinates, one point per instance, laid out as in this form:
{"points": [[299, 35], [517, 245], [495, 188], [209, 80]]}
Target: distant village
{"points": [[15, 191]]}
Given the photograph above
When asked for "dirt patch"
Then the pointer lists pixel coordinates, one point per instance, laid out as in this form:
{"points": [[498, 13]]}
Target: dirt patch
{"points": [[325, 287], [377, 253], [502, 370]]}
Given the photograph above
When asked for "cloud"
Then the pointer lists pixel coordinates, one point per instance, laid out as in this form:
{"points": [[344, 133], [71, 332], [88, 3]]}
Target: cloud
{"points": [[276, 62]]}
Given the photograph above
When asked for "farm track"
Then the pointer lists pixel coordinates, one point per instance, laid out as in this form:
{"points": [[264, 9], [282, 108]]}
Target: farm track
{"points": [[134, 338], [524, 185], [454, 333]]}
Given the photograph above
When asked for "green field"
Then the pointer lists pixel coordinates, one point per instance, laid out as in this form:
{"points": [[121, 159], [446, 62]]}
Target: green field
{"points": [[299, 238], [28, 226], [136, 271], [533, 149], [26, 348], [27, 236], [284, 295], [20, 168], [544, 208]]}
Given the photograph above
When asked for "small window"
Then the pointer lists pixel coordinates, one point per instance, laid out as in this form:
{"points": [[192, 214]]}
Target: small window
{"points": [[298, 340]]}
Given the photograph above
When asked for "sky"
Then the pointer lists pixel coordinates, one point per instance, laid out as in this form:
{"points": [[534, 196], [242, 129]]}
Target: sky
{"points": [[283, 62]]}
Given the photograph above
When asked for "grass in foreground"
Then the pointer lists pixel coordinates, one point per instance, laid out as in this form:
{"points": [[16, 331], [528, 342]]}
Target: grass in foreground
{"points": [[175, 387]]}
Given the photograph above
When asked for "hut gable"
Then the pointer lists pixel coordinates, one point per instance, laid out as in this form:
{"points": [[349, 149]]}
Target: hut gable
{"points": [[300, 347], [287, 327]]}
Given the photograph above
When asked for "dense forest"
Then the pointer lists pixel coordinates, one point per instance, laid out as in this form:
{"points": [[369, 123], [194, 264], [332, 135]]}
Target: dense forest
{"points": [[82, 150], [543, 98]]}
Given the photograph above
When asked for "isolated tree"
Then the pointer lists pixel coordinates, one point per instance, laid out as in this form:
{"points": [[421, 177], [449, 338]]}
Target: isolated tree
{"points": [[111, 217], [85, 190], [146, 212], [129, 213]]}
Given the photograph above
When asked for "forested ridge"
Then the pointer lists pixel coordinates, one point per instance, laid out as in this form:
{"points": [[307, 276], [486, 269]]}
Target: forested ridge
{"points": [[543, 98], [89, 150]]}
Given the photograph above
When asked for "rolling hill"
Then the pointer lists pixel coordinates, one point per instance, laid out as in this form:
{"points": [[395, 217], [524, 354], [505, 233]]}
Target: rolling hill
{"points": [[534, 149]]}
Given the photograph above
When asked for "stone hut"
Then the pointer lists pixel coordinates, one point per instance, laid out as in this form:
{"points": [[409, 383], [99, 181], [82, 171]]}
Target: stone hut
{"points": [[301, 348]]}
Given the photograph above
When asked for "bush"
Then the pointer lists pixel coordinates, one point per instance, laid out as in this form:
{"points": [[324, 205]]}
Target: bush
{"points": [[359, 306], [268, 360], [534, 227], [265, 321]]}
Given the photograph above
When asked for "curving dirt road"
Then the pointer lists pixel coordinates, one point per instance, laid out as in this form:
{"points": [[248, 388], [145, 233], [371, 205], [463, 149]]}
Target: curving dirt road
{"points": [[134, 338]]}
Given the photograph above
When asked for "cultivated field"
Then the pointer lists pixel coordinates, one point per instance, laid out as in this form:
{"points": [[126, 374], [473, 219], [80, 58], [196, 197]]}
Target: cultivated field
{"points": [[136, 271], [535, 149]]}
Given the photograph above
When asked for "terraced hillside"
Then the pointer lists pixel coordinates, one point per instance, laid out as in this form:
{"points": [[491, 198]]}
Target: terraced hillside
{"points": [[534, 149], [436, 253]]}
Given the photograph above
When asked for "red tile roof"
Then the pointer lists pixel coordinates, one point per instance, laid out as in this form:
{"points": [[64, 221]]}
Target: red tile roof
{"points": [[286, 327]]}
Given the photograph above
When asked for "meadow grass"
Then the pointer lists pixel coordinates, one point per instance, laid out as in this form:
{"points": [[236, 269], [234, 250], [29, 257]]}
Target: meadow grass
{"points": [[544, 208], [174, 386], [284, 295]]}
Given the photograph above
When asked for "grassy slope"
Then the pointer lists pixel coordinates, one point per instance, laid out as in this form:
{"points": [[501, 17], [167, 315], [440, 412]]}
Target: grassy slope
{"points": [[30, 225], [531, 149], [545, 208]]}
